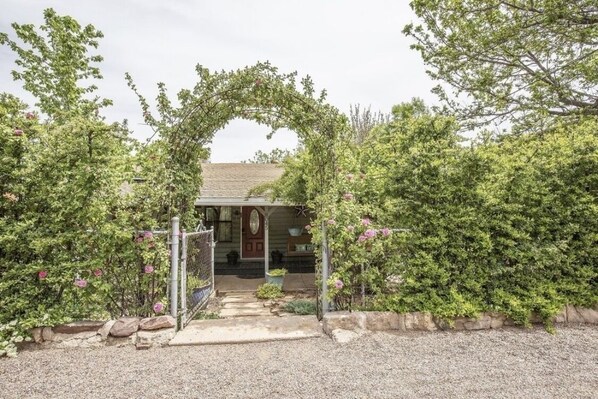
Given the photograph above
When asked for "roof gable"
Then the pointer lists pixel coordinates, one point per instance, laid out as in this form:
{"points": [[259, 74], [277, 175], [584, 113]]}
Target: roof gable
{"points": [[235, 180]]}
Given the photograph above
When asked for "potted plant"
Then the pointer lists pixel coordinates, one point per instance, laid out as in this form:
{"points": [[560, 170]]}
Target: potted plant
{"points": [[276, 257], [232, 257], [276, 276]]}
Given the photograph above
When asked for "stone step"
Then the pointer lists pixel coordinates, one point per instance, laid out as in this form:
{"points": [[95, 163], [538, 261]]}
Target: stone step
{"points": [[243, 305], [246, 330], [231, 313], [238, 299]]}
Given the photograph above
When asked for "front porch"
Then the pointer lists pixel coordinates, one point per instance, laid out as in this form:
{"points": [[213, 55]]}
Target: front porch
{"points": [[251, 268]]}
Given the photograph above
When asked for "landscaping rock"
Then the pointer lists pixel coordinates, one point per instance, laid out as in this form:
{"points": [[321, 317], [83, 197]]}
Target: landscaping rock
{"points": [[60, 337], [560, 317], [343, 321], [78, 326], [157, 323], [125, 326], [581, 315], [344, 336], [420, 322], [154, 338], [105, 330], [48, 334], [483, 323], [36, 334], [497, 320], [383, 321]]}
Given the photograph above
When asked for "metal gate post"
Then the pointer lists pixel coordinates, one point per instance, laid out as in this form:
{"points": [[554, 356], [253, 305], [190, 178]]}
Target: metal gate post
{"points": [[325, 303], [183, 277], [174, 270], [212, 246]]}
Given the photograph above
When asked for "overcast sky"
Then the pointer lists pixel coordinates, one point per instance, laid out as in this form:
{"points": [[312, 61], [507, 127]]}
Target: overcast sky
{"points": [[353, 49]]}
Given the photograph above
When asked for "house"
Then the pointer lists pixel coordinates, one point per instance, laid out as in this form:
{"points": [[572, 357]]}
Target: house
{"points": [[253, 226]]}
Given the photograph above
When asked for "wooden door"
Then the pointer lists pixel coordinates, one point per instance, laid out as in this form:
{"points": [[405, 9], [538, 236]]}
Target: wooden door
{"points": [[252, 239]]}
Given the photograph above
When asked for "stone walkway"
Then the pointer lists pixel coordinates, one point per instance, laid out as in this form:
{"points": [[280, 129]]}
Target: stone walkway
{"points": [[245, 318]]}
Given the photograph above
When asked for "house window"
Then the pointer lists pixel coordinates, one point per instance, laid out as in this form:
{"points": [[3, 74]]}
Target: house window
{"points": [[221, 219]]}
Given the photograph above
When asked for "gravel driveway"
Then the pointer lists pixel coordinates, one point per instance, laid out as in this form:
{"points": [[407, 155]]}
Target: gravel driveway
{"points": [[505, 363]]}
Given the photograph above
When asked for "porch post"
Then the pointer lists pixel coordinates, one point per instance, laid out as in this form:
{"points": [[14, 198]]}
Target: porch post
{"points": [[267, 240]]}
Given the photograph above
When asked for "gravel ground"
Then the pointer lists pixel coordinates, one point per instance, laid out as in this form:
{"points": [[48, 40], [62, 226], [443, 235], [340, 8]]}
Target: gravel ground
{"points": [[505, 363]]}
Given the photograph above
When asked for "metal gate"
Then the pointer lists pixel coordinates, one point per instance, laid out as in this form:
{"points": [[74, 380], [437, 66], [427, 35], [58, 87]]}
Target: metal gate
{"points": [[197, 272]]}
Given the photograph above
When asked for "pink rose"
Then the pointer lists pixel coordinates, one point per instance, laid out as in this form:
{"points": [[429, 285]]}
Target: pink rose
{"points": [[370, 233], [350, 176], [158, 307], [139, 239], [366, 222], [30, 115], [338, 284], [308, 227], [350, 228], [148, 234], [42, 274], [331, 222], [18, 132], [98, 272], [362, 238], [148, 269], [348, 196], [385, 232], [81, 283]]}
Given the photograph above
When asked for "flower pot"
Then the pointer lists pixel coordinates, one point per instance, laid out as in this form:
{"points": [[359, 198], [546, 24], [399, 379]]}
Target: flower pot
{"points": [[276, 257], [232, 258], [276, 280]]}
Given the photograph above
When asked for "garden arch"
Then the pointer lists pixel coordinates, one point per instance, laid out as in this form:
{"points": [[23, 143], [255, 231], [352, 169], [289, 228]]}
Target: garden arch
{"points": [[262, 94]]}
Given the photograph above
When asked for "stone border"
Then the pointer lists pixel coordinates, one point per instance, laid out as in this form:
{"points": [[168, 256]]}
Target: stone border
{"points": [[344, 326], [143, 333]]}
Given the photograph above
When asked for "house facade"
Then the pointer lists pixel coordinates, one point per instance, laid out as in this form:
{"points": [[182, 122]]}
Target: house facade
{"points": [[251, 226]]}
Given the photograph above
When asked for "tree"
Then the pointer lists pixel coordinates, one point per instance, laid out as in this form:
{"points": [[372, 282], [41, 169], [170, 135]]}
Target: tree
{"points": [[277, 155], [363, 120], [55, 61], [522, 61]]}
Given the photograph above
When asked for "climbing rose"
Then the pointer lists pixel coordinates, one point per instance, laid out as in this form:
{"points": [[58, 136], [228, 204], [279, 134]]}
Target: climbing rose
{"points": [[365, 221], [97, 272], [385, 232], [18, 132], [42, 274], [350, 176], [369, 233], [331, 221], [10, 197], [148, 269], [148, 235], [350, 228], [308, 227], [30, 115], [348, 196], [81, 283], [139, 239], [158, 307], [362, 238], [338, 284]]}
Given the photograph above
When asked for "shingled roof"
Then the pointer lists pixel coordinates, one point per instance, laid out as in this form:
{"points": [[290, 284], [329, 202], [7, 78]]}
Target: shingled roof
{"points": [[228, 183]]}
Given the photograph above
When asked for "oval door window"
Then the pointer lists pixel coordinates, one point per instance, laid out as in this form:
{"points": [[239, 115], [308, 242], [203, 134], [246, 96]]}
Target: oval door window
{"points": [[254, 221]]}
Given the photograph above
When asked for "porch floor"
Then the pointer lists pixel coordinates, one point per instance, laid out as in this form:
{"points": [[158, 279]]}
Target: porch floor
{"points": [[292, 282]]}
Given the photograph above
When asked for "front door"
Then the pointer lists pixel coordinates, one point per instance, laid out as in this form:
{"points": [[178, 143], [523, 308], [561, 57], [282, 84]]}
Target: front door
{"points": [[252, 240]]}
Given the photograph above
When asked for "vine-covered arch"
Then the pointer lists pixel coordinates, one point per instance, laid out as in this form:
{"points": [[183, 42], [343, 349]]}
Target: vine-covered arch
{"points": [[258, 93], [261, 94]]}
